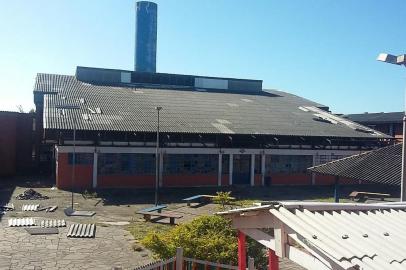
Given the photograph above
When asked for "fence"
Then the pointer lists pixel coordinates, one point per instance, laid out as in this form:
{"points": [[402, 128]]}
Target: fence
{"points": [[183, 263]]}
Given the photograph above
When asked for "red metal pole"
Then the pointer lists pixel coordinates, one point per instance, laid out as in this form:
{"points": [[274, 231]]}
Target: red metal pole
{"points": [[242, 252], [273, 260]]}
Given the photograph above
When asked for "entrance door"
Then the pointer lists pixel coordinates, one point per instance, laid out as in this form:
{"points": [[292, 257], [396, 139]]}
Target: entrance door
{"points": [[241, 169]]}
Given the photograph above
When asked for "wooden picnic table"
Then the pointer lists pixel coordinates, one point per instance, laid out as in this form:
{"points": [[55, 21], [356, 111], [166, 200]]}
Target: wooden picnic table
{"points": [[360, 195], [172, 216]]}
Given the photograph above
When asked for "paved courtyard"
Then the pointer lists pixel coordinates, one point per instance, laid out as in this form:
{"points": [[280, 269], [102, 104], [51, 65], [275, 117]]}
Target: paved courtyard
{"points": [[113, 245]]}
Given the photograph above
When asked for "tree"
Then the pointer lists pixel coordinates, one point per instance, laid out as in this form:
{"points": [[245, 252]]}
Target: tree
{"points": [[208, 238]]}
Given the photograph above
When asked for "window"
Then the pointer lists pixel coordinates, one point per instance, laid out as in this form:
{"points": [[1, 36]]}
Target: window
{"points": [[126, 164], [190, 164], [81, 158], [290, 163]]}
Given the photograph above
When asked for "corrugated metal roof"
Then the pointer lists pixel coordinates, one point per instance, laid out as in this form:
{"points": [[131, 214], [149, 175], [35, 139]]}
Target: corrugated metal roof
{"points": [[364, 238], [30, 207], [184, 111], [383, 166], [376, 118], [81, 230], [49, 223], [21, 222]]}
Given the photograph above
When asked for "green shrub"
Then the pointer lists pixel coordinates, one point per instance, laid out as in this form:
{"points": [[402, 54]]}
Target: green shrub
{"points": [[223, 198], [209, 238]]}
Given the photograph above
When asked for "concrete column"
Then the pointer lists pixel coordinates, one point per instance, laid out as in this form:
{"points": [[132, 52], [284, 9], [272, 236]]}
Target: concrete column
{"points": [[391, 130], [263, 171], [220, 169], [161, 168], [337, 189], [94, 182], [252, 178], [230, 171], [313, 174]]}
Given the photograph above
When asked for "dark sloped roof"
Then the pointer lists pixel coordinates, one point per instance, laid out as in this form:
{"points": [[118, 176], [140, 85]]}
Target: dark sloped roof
{"points": [[187, 111], [383, 166], [390, 117]]}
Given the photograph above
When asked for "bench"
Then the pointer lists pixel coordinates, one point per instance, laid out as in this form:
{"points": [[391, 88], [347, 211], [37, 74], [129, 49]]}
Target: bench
{"points": [[157, 208], [201, 199], [172, 216], [361, 195]]}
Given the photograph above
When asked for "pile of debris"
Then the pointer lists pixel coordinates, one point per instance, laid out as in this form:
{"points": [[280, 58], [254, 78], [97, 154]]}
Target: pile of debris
{"points": [[31, 194]]}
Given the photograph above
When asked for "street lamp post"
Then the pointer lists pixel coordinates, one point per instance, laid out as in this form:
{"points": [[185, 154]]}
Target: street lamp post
{"points": [[399, 60], [158, 108], [72, 107]]}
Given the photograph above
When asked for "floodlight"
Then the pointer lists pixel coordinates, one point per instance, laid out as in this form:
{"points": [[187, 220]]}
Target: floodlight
{"points": [[388, 58]]}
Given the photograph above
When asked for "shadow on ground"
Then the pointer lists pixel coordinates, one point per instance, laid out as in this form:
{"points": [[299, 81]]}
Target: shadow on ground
{"points": [[274, 193], [9, 184]]}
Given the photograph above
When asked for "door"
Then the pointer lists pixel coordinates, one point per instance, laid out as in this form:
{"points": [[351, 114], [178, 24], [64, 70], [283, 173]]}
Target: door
{"points": [[241, 169]]}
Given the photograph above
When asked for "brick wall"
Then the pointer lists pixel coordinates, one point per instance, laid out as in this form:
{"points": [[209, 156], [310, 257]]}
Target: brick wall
{"points": [[8, 142], [16, 143]]}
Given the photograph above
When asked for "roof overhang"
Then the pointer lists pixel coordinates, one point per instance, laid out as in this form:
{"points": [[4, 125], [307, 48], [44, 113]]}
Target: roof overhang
{"points": [[328, 235]]}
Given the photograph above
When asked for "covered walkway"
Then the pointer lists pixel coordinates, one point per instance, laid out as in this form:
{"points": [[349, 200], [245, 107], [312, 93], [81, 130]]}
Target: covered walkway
{"points": [[325, 235]]}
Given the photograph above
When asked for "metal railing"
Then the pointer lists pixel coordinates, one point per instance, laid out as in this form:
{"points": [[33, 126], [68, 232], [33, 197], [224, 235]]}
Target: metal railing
{"points": [[169, 264], [183, 263], [194, 264]]}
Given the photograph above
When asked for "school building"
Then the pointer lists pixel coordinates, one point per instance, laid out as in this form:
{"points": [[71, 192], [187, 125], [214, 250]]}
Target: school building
{"points": [[213, 131]]}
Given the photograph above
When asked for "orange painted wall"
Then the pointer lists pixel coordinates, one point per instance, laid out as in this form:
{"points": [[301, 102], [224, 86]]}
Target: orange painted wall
{"points": [[123, 181], [189, 180], [83, 174], [291, 179]]}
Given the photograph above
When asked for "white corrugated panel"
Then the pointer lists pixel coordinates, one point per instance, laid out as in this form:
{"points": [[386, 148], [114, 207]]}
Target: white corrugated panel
{"points": [[53, 223], [82, 230], [21, 222], [371, 239], [30, 207]]}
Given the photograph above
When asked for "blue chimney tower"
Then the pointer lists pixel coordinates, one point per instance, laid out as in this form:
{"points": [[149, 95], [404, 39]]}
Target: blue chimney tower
{"points": [[145, 36]]}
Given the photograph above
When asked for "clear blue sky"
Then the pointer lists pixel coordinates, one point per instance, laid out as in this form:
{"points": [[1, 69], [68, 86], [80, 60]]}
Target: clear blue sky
{"points": [[319, 49]]}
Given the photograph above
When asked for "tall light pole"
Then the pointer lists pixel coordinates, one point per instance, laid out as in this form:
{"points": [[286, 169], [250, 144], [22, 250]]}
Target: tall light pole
{"points": [[72, 107], [398, 60], [158, 108]]}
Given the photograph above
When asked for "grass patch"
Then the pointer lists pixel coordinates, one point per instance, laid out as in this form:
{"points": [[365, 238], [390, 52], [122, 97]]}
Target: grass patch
{"points": [[139, 228], [246, 202]]}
